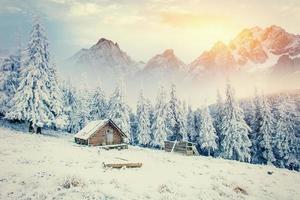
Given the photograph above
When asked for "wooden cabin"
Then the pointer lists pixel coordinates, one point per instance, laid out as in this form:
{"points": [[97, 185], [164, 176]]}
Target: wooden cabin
{"points": [[100, 133], [184, 147]]}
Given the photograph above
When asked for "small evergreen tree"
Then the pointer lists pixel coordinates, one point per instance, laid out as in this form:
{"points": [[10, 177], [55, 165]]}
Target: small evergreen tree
{"points": [[9, 80], [207, 134]]}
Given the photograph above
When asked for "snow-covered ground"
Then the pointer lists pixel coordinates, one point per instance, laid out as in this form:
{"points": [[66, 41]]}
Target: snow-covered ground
{"points": [[53, 167]]}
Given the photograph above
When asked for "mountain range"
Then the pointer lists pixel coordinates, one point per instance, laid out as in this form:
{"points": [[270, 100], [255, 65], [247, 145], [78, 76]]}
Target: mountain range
{"points": [[251, 50], [268, 50]]}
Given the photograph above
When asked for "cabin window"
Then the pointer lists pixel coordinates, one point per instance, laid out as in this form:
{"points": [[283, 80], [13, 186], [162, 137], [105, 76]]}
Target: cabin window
{"points": [[109, 136]]}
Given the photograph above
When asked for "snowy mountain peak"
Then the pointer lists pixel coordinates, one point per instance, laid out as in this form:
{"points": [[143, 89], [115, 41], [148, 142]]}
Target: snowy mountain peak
{"points": [[168, 53], [102, 60], [103, 40], [105, 43], [104, 53], [219, 46], [165, 61], [251, 50]]}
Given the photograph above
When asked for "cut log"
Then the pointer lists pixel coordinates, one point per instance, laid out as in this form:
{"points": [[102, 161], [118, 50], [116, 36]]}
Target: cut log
{"points": [[121, 165], [114, 146]]}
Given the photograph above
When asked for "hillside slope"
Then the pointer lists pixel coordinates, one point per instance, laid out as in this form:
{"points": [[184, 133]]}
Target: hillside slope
{"points": [[53, 167]]}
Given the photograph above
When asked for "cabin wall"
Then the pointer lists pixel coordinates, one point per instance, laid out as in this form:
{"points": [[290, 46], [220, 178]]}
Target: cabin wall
{"points": [[99, 138]]}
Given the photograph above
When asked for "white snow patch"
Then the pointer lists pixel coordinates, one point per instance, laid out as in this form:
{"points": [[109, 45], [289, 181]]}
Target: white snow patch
{"points": [[262, 67], [51, 167]]}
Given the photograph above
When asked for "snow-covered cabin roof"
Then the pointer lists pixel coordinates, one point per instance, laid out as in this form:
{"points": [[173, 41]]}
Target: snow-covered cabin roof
{"points": [[93, 126]]}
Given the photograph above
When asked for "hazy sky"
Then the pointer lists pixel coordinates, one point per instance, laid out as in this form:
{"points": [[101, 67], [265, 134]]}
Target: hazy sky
{"points": [[144, 28]]}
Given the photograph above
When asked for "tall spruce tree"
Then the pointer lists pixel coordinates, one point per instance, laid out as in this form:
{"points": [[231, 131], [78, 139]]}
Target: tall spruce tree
{"points": [[235, 143], [143, 119], [255, 124], [198, 121], [159, 126], [118, 110], [70, 106], [82, 114], [176, 121], [98, 104], [218, 115], [37, 100], [284, 142], [191, 127], [184, 118], [262, 151]]}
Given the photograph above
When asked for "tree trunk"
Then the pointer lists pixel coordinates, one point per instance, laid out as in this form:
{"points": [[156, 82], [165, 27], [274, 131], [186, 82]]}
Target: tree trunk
{"points": [[208, 151], [39, 130], [31, 128]]}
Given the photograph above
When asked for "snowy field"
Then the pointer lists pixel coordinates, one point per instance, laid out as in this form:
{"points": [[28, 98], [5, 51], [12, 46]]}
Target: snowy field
{"points": [[51, 167]]}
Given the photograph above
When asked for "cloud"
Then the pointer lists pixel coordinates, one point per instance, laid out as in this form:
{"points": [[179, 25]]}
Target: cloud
{"points": [[84, 9], [190, 19], [10, 9]]}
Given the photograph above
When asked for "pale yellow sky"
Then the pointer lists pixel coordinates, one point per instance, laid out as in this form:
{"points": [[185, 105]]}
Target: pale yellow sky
{"points": [[145, 28]]}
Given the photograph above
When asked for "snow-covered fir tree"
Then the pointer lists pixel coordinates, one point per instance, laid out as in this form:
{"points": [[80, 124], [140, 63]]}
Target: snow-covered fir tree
{"points": [[57, 103], [81, 114], [219, 113], [98, 104], [207, 134], [76, 108], [118, 110], [175, 116], [294, 121], [143, 119], [9, 79], [37, 97], [249, 110], [235, 143], [198, 121], [133, 128], [262, 151], [70, 106], [159, 126], [255, 123], [191, 130], [185, 114], [151, 112], [284, 142]]}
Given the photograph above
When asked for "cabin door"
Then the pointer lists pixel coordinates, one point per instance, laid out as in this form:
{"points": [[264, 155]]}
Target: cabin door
{"points": [[109, 137]]}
